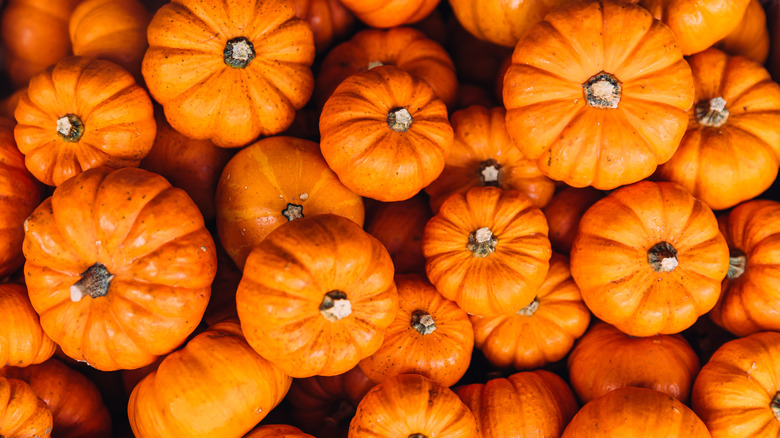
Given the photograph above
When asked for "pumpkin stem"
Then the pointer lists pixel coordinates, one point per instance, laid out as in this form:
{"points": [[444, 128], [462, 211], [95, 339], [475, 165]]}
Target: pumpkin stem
{"points": [[423, 322], [775, 405], [70, 128], [529, 309], [482, 242], [373, 64], [712, 113], [490, 173], [292, 212], [399, 119], [335, 306], [602, 91], [737, 264], [239, 52], [662, 257], [94, 282], [417, 435], [344, 411]]}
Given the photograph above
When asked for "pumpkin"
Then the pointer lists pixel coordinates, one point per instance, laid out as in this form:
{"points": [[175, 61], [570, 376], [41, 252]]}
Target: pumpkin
{"points": [[385, 134], [484, 155], [399, 226], [649, 259], [119, 267], [487, 250], [22, 340], [216, 386], [74, 401], [410, 405], [476, 61], [469, 95], [430, 336], [83, 113], [229, 72], [749, 301], [329, 278], [404, 47], [222, 303], [274, 181], [22, 413], [540, 333], [524, 405], [390, 13], [276, 431], [564, 212], [731, 150], [34, 35], [8, 104], [751, 37], [603, 100], [329, 20], [606, 358], [636, 413]]}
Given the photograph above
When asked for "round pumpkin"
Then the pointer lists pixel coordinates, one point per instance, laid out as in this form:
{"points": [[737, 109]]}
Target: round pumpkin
{"points": [[564, 212], [119, 267], [390, 13], [603, 100], [229, 71], [22, 340], [329, 20], [751, 37], [399, 226], [22, 413], [276, 431], [649, 259]]}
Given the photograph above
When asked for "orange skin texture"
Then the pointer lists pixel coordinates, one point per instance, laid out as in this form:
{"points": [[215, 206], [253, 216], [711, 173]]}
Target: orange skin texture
{"points": [[733, 391], [549, 113], [371, 158], [285, 279], [117, 115], [404, 47], [276, 431], [525, 341], [564, 212], [609, 259], [606, 359], [390, 13], [206, 99], [410, 403], [749, 303], [74, 401], [34, 35], [400, 226], [260, 181], [146, 233], [636, 413], [480, 135], [22, 413], [524, 405], [216, 386], [22, 340], [737, 161], [329, 20], [502, 282], [751, 37]]}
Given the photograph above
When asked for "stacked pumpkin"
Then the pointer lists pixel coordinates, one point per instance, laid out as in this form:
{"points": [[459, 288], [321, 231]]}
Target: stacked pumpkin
{"points": [[299, 217]]}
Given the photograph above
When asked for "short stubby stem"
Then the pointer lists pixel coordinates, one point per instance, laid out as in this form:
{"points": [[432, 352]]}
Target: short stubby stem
{"points": [[529, 309], [490, 173], [712, 113], [423, 322], [602, 91], [94, 282], [482, 242], [399, 119], [662, 257], [373, 64], [737, 264], [775, 405], [417, 435], [292, 212], [70, 128], [344, 411], [239, 52], [335, 306]]}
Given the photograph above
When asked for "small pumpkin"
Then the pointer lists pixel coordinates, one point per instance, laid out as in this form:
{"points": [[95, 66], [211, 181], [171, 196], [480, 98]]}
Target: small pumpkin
{"points": [[22, 340], [22, 413], [276, 431], [751, 37], [399, 226], [564, 212], [390, 13], [8, 104], [329, 20]]}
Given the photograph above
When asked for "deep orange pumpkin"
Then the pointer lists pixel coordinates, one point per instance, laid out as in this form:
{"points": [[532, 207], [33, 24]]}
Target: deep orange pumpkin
{"points": [[399, 226], [564, 212], [22, 413], [22, 340], [329, 20], [276, 431], [390, 13], [751, 37]]}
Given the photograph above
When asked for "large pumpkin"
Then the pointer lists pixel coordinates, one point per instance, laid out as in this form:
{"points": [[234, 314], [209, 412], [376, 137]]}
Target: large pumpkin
{"points": [[119, 267], [22, 413], [22, 340], [390, 13]]}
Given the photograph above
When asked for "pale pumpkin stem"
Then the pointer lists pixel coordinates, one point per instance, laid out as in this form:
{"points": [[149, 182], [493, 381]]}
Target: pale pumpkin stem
{"points": [[602, 91], [94, 282], [662, 257], [712, 113], [373, 64], [70, 128], [239, 52], [335, 306], [529, 309], [482, 242], [399, 119], [737, 264], [292, 212], [423, 322], [490, 173], [775, 405]]}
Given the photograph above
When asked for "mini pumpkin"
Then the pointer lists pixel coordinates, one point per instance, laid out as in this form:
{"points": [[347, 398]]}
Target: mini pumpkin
{"points": [[22, 413], [751, 37], [564, 212], [22, 340], [329, 20], [399, 226], [390, 13], [276, 431]]}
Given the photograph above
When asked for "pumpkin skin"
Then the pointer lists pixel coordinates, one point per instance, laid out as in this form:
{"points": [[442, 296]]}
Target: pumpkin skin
{"points": [[410, 405], [276, 431], [329, 20], [22, 413], [564, 212], [400, 226], [332, 280], [529, 404], [487, 250], [483, 154], [22, 340], [649, 259], [600, 108], [385, 134], [136, 244], [751, 37], [216, 386], [736, 142], [390, 13], [83, 113], [74, 401], [272, 182], [241, 76], [636, 413], [606, 359], [8, 105], [540, 333]]}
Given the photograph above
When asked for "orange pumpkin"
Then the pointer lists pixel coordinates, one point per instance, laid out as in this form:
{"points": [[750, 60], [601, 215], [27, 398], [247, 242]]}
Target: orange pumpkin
{"points": [[390, 13], [487, 250], [399, 226], [274, 181], [385, 134], [229, 72], [329, 278], [649, 259], [8, 105], [469, 95], [276, 431], [484, 155], [22, 340], [119, 267], [603, 100], [22, 413], [540, 333], [731, 150], [751, 37], [329, 20], [216, 386], [564, 212], [83, 113]]}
